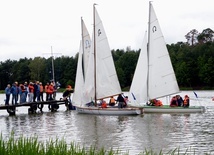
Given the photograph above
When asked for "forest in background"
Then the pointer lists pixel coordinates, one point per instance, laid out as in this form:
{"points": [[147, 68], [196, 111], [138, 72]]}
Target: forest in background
{"points": [[193, 63]]}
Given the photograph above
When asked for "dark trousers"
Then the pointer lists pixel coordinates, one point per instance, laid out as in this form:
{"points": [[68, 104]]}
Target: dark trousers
{"points": [[7, 99]]}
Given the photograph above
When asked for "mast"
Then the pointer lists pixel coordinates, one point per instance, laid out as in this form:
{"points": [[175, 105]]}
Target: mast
{"points": [[95, 78], [52, 65], [148, 48]]}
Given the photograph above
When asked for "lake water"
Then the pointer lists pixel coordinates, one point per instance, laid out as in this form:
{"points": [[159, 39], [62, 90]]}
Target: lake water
{"points": [[194, 132]]}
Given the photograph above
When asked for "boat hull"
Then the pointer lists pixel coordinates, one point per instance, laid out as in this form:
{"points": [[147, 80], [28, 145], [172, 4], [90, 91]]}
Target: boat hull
{"points": [[109, 111], [168, 109]]}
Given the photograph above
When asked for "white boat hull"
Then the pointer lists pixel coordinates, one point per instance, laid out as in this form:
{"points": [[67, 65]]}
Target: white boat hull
{"points": [[109, 111], [164, 109]]}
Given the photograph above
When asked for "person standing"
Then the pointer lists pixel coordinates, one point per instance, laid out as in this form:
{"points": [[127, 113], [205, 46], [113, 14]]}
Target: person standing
{"points": [[30, 94], [41, 91], [35, 89], [14, 93], [120, 101], [7, 92], [47, 91]]}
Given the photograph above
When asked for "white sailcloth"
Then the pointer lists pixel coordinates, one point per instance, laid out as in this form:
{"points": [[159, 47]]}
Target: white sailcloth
{"points": [[161, 79], [138, 90], [86, 46], [82, 65], [107, 83], [79, 81], [107, 80]]}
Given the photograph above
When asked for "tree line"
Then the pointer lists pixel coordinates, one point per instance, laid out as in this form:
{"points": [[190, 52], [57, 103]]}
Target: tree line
{"points": [[193, 62]]}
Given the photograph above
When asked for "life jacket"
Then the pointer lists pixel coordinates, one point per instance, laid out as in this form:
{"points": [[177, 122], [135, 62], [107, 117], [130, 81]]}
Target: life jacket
{"points": [[46, 88], [186, 100], [104, 105], [31, 88], [158, 103], [41, 88], [50, 89]]}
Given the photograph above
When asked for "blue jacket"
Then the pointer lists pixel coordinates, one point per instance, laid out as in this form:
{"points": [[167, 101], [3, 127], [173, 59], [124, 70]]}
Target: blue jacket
{"points": [[14, 90], [7, 91]]}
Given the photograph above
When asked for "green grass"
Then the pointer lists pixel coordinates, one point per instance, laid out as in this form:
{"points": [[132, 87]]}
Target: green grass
{"points": [[31, 146]]}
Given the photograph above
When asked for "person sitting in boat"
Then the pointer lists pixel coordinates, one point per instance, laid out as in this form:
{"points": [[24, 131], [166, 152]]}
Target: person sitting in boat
{"points": [[103, 103], [112, 101], [120, 101], [179, 100], [126, 100], [186, 101], [174, 102], [158, 102]]}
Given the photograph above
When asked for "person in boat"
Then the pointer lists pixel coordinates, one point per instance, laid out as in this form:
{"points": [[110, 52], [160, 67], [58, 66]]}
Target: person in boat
{"points": [[179, 100], [126, 100], [158, 102], [174, 102], [186, 101], [112, 101], [103, 104], [120, 101], [155, 102]]}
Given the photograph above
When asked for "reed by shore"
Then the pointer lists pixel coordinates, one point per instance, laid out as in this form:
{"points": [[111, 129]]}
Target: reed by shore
{"points": [[31, 146]]}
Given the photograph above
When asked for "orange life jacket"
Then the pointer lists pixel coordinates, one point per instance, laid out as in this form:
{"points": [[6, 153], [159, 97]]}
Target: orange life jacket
{"points": [[158, 103], [186, 99], [41, 88], [104, 105]]}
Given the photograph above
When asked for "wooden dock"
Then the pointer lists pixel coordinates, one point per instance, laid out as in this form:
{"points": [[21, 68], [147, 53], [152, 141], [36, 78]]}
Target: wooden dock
{"points": [[53, 105]]}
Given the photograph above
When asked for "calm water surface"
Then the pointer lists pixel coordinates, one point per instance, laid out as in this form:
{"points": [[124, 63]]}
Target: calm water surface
{"points": [[194, 132]]}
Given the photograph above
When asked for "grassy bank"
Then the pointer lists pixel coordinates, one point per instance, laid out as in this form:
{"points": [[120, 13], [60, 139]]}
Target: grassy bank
{"points": [[31, 146]]}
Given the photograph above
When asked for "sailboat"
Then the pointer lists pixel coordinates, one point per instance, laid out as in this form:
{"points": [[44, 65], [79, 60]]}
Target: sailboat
{"points": [[155, 73], [101, 81]]}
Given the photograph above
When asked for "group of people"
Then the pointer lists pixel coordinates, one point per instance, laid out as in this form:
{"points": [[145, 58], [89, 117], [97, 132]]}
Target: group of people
{"points": [[33, 91], [178, 101], [121, 100]]}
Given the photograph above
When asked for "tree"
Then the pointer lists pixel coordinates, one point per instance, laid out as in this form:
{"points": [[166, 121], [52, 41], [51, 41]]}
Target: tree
{"points": [[37, 69], [207, 35], [192, 37]]}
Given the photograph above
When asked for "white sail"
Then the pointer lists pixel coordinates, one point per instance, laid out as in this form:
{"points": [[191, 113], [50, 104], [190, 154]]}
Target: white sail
{"points": [[107, 80], [138, 89], [82, 65], [79, 81], [86, 42], [161, 79], [89, 89], [107, 83]]}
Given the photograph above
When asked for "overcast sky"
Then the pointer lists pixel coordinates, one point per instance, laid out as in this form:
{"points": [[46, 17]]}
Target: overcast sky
{"points": [[28, 28]]}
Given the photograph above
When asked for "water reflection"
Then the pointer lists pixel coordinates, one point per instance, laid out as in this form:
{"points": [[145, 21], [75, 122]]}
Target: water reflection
{"points": [[134, 133]]}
